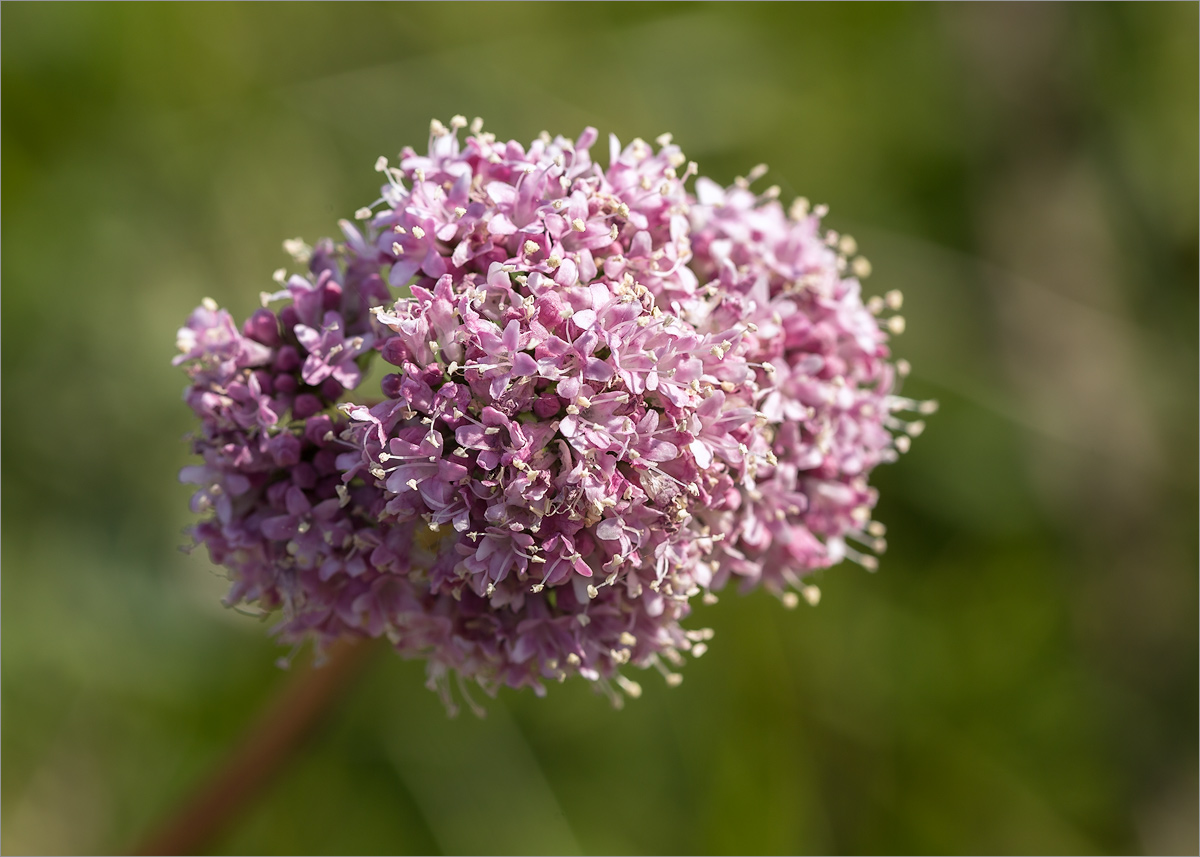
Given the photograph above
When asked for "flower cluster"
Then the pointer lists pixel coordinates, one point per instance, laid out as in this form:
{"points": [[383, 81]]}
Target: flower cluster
{"points": [[607, 395]]}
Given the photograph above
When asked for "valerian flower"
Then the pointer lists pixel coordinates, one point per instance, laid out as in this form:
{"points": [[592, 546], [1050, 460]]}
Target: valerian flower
{"points": [[608, 396]]}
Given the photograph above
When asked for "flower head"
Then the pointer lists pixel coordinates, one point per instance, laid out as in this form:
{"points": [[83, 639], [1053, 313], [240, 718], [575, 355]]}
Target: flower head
{"points": [[609, 395]]}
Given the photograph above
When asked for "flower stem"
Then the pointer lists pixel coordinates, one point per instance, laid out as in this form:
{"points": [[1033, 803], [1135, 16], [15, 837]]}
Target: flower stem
{"points": [[261, 753]]}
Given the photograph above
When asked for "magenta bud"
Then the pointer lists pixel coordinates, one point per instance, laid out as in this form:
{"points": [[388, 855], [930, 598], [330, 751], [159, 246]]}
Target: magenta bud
{"points": [[331, 299], [394, 351], [265, 382], [331, 389], [288, 359], [285, 449], [316, 428], [391, 385], [263, 327], [547, 405], [289, 317], [306, 405]]}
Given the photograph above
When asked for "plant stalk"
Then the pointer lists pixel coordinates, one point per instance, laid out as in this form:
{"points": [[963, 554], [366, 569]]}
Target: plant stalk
{"points": [[264, 749]]}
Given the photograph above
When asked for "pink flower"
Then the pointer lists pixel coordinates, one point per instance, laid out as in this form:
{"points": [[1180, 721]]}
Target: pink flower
{"points": [[610, 396]]}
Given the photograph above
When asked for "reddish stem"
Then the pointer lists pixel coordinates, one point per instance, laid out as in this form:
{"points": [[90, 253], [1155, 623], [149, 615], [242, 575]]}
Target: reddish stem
{"points": [[263, 750]]}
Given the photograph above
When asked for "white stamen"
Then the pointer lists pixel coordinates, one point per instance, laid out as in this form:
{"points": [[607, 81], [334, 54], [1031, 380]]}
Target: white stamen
{"points": [[799, 209], [631, 688], [297, 249]]}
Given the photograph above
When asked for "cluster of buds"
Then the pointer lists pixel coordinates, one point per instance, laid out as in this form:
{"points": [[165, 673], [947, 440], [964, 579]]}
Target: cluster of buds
{"points": [[608, 395]]}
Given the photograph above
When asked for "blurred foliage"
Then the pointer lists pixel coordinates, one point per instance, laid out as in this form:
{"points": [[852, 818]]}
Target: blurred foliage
{"points": [[1021, 675]]}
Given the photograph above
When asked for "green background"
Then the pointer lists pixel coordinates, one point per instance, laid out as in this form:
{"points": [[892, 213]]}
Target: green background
{"points": [[1021, 674]]}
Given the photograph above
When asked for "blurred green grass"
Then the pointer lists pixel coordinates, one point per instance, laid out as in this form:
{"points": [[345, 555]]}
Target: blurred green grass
{"points": [[1021, 676]]}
